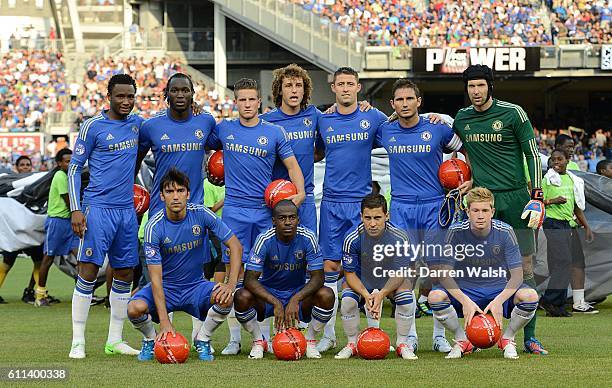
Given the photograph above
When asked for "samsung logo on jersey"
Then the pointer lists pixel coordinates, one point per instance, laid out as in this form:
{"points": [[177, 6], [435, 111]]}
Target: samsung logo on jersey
{"points": [[407, 149], [484, 137], [299, 135], [182, 147], [124, 145], [183, 247], [348, 137], [246, 149], [287, 266]]}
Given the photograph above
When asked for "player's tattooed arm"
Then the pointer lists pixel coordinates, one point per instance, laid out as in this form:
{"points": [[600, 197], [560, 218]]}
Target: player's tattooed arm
{"points": [[251, 283], [293, 307], [165, 326], [297, 178]]}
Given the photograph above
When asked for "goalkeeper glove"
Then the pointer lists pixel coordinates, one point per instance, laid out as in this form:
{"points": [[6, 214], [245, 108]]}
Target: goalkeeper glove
{"points": [[534, 211]]}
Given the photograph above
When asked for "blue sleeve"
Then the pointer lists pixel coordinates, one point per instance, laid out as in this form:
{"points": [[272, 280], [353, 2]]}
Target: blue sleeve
{"points": [[214, 142], [151, 244], [215, 224], [258, 255], [144, 138], [511, 250], [283, 148], [350, 253], [314, 257], [82, 149], [379, 119], [378, 137]]}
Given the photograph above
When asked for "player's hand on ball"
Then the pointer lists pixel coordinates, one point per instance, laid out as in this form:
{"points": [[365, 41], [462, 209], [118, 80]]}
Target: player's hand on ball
{"points": [[165, 327], [223, 293], [465, 186], [279, 316], [297, 199], [292, 313], [79, 223], [469, 310], [497, 310]]}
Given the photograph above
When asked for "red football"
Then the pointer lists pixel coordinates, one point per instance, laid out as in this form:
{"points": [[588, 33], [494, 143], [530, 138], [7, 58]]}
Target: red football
{"points": [[278, 190], [483, 332], [141, 199], [373, 344], [453, 172], [215, 169], [172, 350], [289, 345]]}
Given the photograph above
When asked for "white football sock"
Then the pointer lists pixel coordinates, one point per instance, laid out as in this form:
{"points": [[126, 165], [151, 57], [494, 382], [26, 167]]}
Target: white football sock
{"points": [[438, 329], [404, 315], [413, 331], [519, 317], [119, 298], [319, 318], [265, 326], [81, 301], [331, 281], [234, 327], [214, 318], [449, 319], [196, 326], [578, 296], [248, 320], [144, 324], [349, 312]]}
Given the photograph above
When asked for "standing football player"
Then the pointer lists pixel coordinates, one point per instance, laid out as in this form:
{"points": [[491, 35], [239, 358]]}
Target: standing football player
{"points": [[106, 220], [177, 138], [251, 147], [346, 138], [280, 257], [415, 147], [489, 277], [361, 287], [497, 135], [175, 248]]}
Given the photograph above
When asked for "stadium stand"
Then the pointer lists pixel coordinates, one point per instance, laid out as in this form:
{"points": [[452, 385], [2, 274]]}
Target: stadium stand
{"points": [[466, 23]]}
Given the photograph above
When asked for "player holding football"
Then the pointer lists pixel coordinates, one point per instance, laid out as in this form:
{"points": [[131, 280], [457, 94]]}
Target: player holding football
{"points": [[415, 147], [251, 146], [497, 135], [346, 139], [358, 261], [281, 256], [106, 221], [484, 285], [175, 251]]}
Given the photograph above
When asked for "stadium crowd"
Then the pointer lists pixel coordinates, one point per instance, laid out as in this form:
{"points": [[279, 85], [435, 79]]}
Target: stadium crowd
{"points": [[466, 23], [31, 86], [588, 151]]}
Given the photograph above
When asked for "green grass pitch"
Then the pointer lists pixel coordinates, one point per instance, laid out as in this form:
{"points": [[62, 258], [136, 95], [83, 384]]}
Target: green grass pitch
{"points": [[580, 347]]}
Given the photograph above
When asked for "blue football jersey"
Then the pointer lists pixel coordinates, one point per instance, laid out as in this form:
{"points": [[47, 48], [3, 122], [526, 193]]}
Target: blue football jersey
{"points": [[301, 130], [284, 266], [362, 254], [110, 147], [249, 154], [348, 141], [479, 267], [179, 144], [415, 155], [179, 246]]}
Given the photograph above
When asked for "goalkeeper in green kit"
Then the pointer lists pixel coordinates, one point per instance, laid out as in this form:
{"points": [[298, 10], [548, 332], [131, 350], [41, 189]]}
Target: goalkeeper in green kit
{"points": [[496, 135]]}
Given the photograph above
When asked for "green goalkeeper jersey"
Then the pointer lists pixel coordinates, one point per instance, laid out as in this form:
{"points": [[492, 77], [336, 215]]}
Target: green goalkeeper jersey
{"points": [[495, 141]]}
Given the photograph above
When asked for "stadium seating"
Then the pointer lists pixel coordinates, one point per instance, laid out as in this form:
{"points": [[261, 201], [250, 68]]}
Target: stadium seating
{"points": [[466, 23], [31, 85]]}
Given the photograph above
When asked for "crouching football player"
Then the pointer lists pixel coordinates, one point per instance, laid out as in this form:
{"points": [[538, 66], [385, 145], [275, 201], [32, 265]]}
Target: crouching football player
{"points": [[362, 269], [487, 278], [281, 256], [174, 249]]}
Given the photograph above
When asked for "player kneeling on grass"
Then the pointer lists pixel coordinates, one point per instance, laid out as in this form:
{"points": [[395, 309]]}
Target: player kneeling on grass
{"points": [[281, 256], [174, 250], [363, 269], [475, 277]]}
